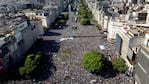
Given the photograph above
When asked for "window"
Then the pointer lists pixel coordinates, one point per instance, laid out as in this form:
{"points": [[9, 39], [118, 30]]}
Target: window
{"points": [[142, 16]]}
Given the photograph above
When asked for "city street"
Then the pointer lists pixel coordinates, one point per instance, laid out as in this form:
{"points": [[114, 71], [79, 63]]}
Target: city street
{"points": [[69, 54], [63, 63], [74, 41]]}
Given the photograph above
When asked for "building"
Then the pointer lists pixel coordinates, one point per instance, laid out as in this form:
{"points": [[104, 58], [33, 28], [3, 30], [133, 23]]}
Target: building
{"points": [[17, 35], [113, 28], [128, 41], [127, 23], [141, 68], [47, 17], [49, 13], [19, 31]]}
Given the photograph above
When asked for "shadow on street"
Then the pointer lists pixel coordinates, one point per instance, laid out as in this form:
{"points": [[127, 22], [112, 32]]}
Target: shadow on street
{"points": [[108, 71], [58, 27], [48, 68], [49, 33], [47, 46]]}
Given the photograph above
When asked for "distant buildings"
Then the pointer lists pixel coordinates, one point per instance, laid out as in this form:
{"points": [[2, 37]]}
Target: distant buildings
{"points": [[49, 12], [44, 16]]}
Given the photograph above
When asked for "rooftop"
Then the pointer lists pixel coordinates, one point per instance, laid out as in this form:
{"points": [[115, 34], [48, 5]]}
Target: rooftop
{"points": [[136, 32], [8, 22]]}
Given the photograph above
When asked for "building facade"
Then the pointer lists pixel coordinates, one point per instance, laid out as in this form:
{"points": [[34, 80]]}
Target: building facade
{"points": [[17, 40], [141, 68]]}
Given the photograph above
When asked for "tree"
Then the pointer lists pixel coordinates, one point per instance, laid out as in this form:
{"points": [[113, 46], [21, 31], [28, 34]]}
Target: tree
{"points": [[61, 22], [86, 15], [31, 64], [93, 61], [66, 16], [85, 21], [90, 15], [22, 71], [119, 65]]}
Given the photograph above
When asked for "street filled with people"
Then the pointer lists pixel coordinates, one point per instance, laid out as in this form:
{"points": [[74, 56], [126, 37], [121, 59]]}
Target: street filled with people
{"points": [[65, 49], [68, 59]]}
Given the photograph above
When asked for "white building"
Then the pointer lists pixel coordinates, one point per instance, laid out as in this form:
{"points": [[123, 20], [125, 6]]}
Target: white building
{"points": [[20, 36]]}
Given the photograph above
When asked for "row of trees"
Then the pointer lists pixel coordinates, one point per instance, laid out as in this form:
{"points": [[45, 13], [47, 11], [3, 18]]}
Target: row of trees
{"points": [[86, 15], [93, 61], [32, 63]]}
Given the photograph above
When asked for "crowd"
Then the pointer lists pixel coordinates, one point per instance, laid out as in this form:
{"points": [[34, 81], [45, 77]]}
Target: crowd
{"points": [[68, 59]]}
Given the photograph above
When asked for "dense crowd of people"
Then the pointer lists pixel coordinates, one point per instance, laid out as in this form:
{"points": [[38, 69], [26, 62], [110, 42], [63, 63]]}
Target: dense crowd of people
{"points": [[68, 58]]}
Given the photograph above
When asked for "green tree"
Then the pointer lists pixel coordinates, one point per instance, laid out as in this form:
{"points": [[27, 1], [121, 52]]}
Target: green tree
{"points": [[85, 13], [83, 10], [22, 71], [93, 61], [62, 22], [31, 64], [119, 65], [85, 21], [66, 16], [90, 15]]}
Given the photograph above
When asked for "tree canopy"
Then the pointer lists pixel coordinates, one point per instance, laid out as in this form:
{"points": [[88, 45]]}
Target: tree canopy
{"points": [[93, 61], [119, 65], [31, 64], [85, 13], [85, 21]]}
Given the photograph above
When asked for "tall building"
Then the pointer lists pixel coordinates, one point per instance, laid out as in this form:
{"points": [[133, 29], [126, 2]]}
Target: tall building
{"points": [[141, 68], [17, 34]]}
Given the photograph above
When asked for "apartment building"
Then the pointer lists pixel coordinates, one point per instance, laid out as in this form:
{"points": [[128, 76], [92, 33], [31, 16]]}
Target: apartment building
{"points": [[19, 31], [113, 28], [141, 68], [49, 12], [98, 9], [17, 35], [127, 23], [47, 17], [128, 41]]}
